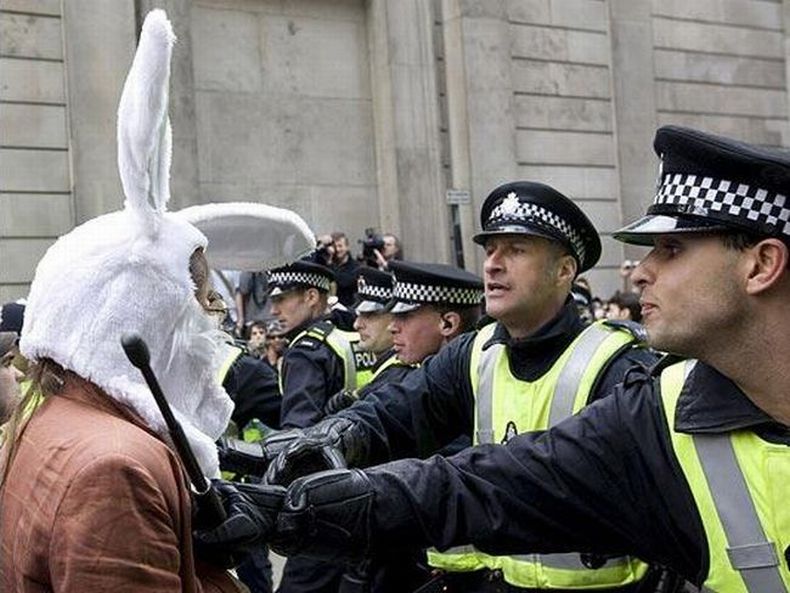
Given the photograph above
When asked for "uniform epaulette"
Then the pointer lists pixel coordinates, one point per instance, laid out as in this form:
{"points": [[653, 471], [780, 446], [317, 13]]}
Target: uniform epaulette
{"points": [[315, 335], [665, 361], [632, 327]]}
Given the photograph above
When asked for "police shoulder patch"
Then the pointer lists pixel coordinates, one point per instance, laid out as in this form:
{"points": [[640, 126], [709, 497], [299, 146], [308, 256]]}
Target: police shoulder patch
{"points": [[307, 342]]}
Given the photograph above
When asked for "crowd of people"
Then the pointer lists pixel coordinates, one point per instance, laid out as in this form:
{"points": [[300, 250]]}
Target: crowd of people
{"points": [[430, 430]]}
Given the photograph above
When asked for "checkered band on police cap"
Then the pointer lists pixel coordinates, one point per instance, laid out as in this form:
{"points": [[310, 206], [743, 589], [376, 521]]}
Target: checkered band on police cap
{"points": [[698, 195], [288, 278], [425, 293], [373, 292], [511, 209], [710, 183]]}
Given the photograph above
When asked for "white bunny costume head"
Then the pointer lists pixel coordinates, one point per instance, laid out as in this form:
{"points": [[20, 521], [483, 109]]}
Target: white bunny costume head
{"points": [[128, 271]]}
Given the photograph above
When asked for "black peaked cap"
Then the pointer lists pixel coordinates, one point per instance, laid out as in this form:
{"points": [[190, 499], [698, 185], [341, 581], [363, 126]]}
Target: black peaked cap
{"points": [[418, 284], [711, 183], [531, 208], [299, 274], [374, 290]]}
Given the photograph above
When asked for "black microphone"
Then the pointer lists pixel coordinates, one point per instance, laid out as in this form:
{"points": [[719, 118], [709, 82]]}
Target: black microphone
{"points": [[211, 512]]}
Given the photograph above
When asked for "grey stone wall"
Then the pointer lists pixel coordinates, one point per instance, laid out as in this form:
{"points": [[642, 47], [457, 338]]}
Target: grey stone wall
{"points": [[360, 113]]}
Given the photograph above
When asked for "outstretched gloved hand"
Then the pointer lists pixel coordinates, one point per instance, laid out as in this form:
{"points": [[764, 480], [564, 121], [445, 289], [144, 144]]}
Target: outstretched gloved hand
{"points": [[252, 510], [252, 459], [332, 443], [327, 516]]}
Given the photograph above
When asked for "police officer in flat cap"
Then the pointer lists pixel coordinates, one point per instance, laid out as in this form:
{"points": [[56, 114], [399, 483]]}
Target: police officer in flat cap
{"points": [[538, 364], [687, 464], [372, 323]]}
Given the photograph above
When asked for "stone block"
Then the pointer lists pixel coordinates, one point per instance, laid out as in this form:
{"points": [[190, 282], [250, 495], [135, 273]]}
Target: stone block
{"points": [[12, 292], [537, 12], [583, 183], [34, 170], [582, 14], [767, 15], [611, 252], [604, 280], [689, 97], [676, 65], [768, 132], [530, 41], [29, 126], [604, 214], [563, 113], [336, 10], [556, 78], [318, 58], [29, 36], [20, 258], [47, 7], [736, 41], [31, 80], [257, 139], [260, 6], [35, 215], [564, 148], [227, 51]]}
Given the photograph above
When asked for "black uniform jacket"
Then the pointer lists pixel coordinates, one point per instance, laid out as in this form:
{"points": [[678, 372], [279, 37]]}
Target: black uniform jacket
{"points": [[434, 405], [311, 374], [252, 385], [606, 480]]}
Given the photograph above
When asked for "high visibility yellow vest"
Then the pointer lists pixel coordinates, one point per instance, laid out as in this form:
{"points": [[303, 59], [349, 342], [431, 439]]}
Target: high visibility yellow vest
{"points": [[357, 364], [739, 483], [505, 406], [392, 361]]}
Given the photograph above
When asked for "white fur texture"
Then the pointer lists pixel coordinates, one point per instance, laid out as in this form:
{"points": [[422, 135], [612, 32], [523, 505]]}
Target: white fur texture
{"points": [[128, 271]]}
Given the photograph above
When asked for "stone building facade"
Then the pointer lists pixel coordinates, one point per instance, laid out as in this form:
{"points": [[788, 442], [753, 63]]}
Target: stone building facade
{"points": [[364, 113]]}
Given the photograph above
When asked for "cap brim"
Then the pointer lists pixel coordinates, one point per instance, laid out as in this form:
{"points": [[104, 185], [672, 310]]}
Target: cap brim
{"points": [[645, 230], [370, 307], [401, 307], [480, 238], [277, 291]]}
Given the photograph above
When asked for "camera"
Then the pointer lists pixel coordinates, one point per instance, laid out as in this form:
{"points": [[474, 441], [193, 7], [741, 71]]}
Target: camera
{"points": [[370, 243]]}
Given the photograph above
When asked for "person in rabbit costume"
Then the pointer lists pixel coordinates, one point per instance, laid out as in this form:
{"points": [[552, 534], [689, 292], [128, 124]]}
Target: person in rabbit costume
{"points": [[93, 497]]}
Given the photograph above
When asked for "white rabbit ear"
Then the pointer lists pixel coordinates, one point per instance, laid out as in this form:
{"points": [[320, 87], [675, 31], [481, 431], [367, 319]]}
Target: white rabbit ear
{"points": [[144, 136]]}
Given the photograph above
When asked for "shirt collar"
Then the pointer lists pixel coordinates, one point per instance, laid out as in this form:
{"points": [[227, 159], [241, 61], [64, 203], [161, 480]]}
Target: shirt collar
{"points": [[566, 324], [711, 403]]}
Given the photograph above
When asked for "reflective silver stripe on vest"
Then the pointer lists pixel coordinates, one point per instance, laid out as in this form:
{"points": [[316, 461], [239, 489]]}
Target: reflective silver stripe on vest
{"points": [[348, 362], [750, 552], [570, 375], [486, 369], [568, 561]]}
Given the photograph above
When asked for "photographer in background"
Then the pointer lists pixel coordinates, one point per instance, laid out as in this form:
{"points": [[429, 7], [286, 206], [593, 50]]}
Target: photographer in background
{"points": [[345, 269], [379, 250]]}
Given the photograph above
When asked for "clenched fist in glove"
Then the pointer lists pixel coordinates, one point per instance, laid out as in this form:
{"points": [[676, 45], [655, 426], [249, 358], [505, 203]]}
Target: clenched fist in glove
{"points": [[251, 516], [327, 516]]}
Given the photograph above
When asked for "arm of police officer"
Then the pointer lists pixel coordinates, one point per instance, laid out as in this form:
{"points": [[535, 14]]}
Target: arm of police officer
{"points": [[603, 481], [430, 408]]}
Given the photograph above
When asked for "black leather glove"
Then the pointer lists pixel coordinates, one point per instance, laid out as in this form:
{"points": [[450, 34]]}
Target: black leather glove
{"points": [[340, 401], [251, 510], [332, 443], [327, 516], [252, 459]]}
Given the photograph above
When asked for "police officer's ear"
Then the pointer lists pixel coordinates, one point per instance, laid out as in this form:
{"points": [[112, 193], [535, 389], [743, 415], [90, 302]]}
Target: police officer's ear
{"points": [[566, 269], [767, 265], [450, 324]]}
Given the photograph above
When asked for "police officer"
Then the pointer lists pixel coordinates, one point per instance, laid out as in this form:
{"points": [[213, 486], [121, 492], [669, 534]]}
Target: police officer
{"points": [[537, 365], [320, 359], [374, 293], [687, 465]]}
